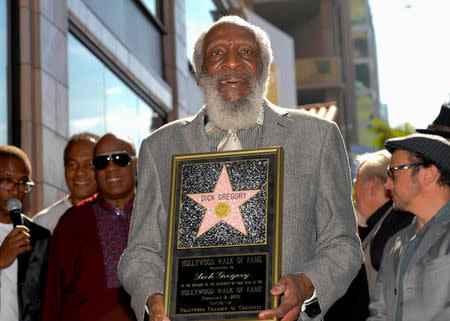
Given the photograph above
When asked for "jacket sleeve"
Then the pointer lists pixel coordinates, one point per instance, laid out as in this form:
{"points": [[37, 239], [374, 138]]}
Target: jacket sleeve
{"points": [[53, 290], [141, 266], [377, 306], [337, 249]]}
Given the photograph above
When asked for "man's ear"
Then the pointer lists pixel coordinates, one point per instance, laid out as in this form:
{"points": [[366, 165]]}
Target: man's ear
{"points": [[429, 175], [375, 185]]}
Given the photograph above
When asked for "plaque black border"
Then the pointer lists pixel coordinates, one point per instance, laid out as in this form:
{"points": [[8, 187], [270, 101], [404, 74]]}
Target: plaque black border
{"points": [[274, 155]]}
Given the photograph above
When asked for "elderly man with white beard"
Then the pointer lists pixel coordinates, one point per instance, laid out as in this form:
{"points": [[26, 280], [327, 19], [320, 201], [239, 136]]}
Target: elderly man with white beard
{"points": [[321, 252]]}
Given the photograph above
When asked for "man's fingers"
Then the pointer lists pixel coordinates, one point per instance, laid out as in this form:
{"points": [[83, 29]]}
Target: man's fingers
{"points": [[20, 239], [160, 317], [292, 314], [279, 312], [279, 287], [23, 249], [21, 228]]}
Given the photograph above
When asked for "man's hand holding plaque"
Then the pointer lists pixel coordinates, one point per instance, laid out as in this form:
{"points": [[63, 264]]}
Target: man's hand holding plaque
{"points": [[296, 288]]}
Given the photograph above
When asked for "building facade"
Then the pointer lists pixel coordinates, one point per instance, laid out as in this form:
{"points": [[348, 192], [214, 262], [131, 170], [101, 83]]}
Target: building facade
{"points": [[367, 98], [68, 66], [335, 57]]}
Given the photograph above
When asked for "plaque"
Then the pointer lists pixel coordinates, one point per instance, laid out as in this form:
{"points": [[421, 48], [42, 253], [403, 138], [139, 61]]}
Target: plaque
{"points": [[224, 235]]}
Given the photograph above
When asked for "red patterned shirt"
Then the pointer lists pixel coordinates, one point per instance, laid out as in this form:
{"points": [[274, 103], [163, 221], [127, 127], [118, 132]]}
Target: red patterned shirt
{"points": [[113, 225]]}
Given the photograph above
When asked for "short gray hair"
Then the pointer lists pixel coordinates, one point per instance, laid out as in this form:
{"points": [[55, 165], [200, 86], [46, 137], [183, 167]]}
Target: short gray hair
{"points": [[374, 164], [261, 39]]}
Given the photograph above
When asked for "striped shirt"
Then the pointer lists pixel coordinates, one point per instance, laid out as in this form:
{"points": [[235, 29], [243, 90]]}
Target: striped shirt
{"points": [[250, 138]]}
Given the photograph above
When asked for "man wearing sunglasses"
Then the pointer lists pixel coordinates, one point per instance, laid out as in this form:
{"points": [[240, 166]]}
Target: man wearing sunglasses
{"points": [[413, 282], [80, 178], [24, 245], [89, 240]]}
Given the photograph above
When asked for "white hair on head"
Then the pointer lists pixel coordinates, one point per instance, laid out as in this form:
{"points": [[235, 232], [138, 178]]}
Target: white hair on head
{"points": [[374, 164], [261, 39]]}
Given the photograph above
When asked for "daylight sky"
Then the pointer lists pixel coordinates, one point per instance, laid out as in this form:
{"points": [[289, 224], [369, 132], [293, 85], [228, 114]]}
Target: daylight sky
{"points": [[413, 49]]}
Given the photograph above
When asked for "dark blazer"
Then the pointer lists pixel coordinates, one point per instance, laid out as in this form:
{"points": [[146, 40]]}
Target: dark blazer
{"points": [[32, 272]]}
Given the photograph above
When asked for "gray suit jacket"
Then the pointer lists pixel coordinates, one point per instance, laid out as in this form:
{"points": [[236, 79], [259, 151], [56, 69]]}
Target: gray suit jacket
{"points": [[426, 283], [319, 228]]}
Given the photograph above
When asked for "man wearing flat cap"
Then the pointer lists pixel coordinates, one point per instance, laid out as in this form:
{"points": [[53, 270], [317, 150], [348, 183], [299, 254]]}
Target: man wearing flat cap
{"points": [[414, 279]]}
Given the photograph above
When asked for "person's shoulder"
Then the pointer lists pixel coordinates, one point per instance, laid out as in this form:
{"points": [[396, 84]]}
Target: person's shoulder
{"points": [[298, 115], [76, 212], [37, 231]]}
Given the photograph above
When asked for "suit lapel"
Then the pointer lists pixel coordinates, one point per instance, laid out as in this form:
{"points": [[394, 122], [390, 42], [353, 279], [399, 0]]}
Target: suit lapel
{"points": [[430, 238], [276, 125], [399, 247], [194, 134]]}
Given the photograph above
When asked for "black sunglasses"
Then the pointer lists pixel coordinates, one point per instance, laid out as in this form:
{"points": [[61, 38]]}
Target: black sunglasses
{"points": [[121, 159]]}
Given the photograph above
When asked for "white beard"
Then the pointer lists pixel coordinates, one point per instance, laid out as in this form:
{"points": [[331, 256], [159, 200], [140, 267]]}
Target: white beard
{"points": [[240, 114]]}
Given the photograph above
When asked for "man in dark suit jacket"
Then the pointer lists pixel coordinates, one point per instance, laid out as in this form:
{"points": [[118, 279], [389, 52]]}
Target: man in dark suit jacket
{"points": [[321, 250], [24, 245]]}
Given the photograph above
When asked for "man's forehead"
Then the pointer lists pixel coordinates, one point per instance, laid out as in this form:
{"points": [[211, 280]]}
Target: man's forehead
{"points": [[400, 155], [11, 166], [81, 148], [112, 144], [229, 31]]}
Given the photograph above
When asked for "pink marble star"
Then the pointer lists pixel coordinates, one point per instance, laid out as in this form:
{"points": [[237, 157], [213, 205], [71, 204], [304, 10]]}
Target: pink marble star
{"points": [[223, 205]]}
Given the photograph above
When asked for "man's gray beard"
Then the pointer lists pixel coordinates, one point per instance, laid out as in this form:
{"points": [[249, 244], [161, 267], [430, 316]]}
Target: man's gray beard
{"points": [[239, 114]]}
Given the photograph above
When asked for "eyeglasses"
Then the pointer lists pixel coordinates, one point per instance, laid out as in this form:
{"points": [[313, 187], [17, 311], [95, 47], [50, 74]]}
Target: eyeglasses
{"points": [[391, 170], [121, 159], [7, 184]]}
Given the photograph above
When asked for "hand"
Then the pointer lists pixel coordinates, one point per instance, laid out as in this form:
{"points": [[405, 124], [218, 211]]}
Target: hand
{"points": [[15, 243], [296, 289], [155, 305]]}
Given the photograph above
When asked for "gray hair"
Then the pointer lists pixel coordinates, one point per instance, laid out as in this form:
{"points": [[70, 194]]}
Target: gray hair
{"points": [[261, 39], [374, 164]]}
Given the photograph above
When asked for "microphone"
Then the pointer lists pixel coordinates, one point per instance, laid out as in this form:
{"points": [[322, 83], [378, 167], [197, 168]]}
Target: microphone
{"points": [[14, 207]]}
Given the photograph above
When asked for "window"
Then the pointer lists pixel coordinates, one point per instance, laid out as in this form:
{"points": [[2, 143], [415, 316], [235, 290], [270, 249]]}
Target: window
{"points": [[199, 16], [360, 44], [99, 101], [3, 74], [364, 105], [358, 12], [362, 73], [306, 97], [323, 67], [139, 32]]}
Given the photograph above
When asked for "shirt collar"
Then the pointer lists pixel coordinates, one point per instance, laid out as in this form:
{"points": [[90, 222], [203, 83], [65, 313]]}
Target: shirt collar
{"points": [[112, 207], [375, 217]]}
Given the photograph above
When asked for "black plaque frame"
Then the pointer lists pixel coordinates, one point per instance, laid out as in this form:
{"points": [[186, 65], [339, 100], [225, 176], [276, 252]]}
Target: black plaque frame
{"points": [[221, 270]]}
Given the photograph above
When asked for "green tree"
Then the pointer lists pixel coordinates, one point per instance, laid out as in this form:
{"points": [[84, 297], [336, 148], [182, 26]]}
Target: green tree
{"points": [[383, 131]]}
